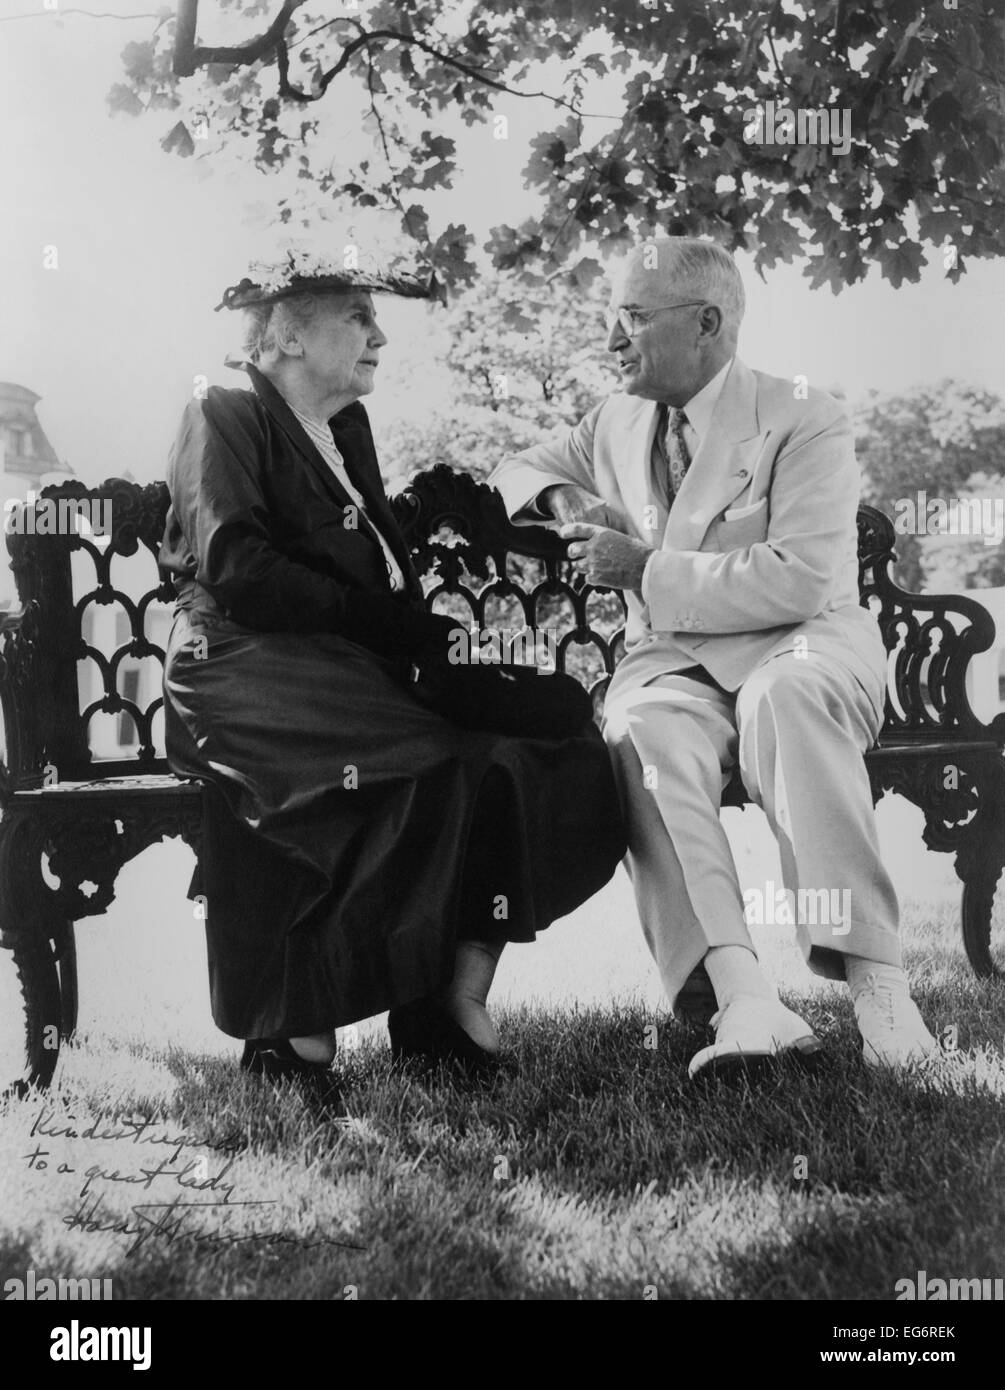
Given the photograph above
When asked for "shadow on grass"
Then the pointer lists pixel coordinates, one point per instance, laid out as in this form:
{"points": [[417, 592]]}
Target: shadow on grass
{"points": [[591, 1169]]}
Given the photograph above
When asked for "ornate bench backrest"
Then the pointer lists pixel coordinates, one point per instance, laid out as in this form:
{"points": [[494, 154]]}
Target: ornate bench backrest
{"points": [[103, 612]]}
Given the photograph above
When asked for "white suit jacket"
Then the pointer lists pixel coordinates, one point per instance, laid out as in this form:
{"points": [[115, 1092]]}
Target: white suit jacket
{"points": [[761, 543]]}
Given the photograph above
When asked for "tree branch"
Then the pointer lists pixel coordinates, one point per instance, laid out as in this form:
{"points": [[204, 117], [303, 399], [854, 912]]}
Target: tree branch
{"points": [[298, 94], [89, 14], [184, 38], [622, 135], [479, 74], [395, 186], [188, 55], [774, 55]]}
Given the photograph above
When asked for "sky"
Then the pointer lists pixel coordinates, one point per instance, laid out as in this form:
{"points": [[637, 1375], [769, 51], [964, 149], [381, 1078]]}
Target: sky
{"points": [[112, 339]]}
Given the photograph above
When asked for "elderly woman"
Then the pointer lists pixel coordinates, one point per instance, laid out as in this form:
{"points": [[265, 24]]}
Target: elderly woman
{"points": [[360, 851]]}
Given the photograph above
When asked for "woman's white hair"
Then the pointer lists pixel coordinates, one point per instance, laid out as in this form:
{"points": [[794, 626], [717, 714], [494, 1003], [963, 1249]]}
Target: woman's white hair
{"points": [[702, 270], [262, 322]]}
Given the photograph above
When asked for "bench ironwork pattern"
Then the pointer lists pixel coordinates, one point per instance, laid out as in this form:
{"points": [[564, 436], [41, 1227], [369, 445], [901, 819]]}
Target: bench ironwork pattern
{"points": [[70, 821]]}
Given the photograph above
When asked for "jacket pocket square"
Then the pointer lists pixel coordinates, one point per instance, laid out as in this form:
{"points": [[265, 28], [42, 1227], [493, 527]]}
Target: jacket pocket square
{"points": [[740, 513]]}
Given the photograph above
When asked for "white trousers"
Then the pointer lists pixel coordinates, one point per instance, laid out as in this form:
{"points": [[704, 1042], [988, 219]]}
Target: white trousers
{"points": [[798, 728]]}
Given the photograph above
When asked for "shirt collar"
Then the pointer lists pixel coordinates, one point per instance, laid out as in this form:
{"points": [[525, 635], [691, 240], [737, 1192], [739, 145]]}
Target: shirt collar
{"points": [[701, 407]]}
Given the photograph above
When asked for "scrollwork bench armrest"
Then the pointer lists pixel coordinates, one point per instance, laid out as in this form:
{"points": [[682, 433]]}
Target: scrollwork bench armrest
{"points": [[935, 653]]}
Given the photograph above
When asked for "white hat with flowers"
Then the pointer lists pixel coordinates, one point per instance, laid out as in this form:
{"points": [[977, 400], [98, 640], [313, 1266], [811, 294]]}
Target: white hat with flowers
{"points": [[302, 267]]}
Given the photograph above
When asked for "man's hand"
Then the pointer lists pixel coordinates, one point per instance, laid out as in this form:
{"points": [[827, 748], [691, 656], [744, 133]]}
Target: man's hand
{"points": [[567, 502], [606, 557]]}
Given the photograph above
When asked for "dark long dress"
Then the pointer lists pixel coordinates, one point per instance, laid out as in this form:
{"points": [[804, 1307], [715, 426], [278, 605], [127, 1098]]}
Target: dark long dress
{"points": [[351, 835]]}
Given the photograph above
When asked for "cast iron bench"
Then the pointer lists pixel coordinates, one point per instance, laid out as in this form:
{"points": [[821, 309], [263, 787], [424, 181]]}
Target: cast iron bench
{"points": [[71, 821]]}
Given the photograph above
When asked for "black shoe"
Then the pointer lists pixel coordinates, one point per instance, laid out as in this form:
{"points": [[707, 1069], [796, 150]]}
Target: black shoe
{"points": [[276, 1061], [423, 1030]]}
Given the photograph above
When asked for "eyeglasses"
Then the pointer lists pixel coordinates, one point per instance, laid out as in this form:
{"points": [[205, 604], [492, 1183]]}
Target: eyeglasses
{"points": [[632, 321]]}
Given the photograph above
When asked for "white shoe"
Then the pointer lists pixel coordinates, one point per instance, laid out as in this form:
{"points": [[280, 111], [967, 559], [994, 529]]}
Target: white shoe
{"points": [[893, 1031], [751, 1032]]}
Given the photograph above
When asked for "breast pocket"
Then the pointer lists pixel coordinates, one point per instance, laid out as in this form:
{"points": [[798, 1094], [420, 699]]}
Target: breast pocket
{"points": [[739, 527]]}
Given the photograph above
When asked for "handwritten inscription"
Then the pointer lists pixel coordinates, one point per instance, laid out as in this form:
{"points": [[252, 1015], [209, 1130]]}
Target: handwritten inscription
{"points": [[178, 1216]]}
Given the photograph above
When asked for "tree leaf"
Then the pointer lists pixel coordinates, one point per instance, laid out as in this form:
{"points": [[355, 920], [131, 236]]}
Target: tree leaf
{"points": [[178, 140], [903, 262], [586, 272], [123, 99]]}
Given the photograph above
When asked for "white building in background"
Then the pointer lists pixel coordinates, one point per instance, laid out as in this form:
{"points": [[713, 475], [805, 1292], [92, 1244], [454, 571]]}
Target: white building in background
{"points": [[27, 462], [27, 459]]}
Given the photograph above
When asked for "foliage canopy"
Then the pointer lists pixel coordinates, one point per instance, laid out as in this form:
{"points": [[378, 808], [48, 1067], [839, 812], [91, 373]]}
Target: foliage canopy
{"points": [[921, 85]]}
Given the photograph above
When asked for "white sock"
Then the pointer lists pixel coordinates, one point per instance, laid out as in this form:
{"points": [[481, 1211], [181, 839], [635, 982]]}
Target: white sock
{"points": [[858, 972], [734, 970]]}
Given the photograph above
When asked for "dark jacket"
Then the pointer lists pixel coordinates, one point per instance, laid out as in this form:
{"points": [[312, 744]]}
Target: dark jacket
{"points": [[281, 545]]}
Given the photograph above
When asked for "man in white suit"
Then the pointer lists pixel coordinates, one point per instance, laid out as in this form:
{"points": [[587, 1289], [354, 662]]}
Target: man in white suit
{"points": [[723, 502]]}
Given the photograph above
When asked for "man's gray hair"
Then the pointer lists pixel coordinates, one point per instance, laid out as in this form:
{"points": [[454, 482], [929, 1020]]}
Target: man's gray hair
{"points": [[701, 269], [261, 321]]}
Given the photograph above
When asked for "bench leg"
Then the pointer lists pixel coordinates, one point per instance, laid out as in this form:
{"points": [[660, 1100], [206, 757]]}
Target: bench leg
{"points": [[67, 961], [964, 807], [979, 864], [27, 928]]}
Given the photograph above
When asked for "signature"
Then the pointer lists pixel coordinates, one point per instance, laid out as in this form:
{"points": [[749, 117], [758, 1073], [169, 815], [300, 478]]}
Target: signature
{"points": [[171, 1218]]}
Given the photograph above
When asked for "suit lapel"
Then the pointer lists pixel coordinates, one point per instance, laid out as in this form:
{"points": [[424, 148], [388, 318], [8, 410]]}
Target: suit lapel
{"points": [[723, 465]]}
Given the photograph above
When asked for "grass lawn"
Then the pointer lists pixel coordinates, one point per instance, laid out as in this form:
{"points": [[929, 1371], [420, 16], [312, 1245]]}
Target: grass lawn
{"points": [[592, 1169]]}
